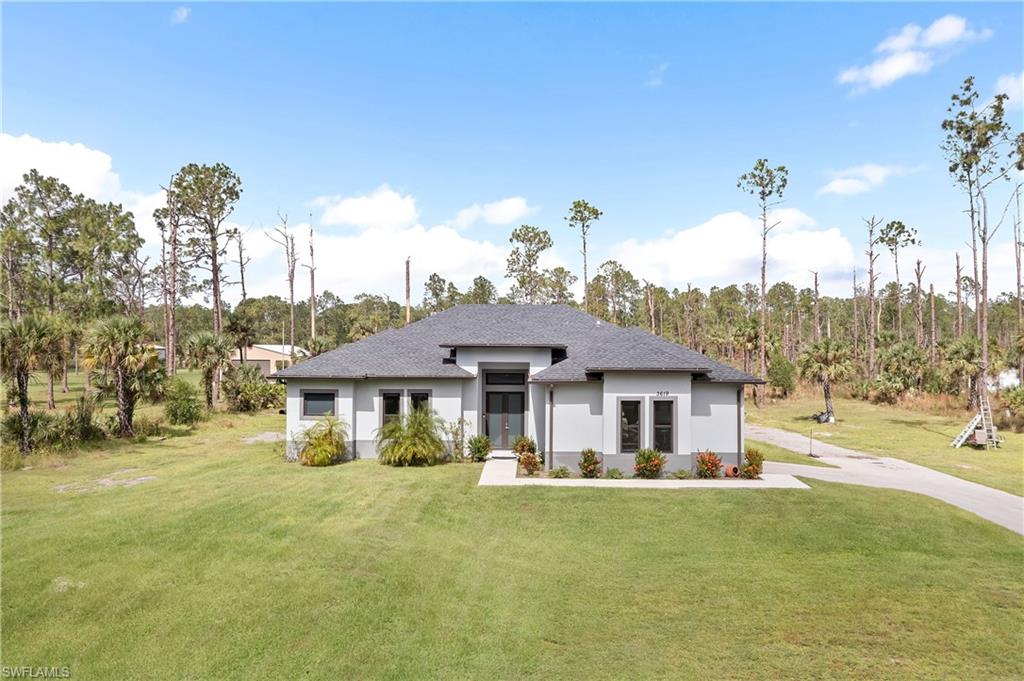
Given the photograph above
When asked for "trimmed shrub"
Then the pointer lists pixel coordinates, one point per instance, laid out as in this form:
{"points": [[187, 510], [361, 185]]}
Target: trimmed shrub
{"points": [[560, 472], [479, 447], [530, 462], [247, 389], [413, 439], [682, 474], [590, 464], [183, 405], [613, 474], [753, 464], [648, 463], [781, 374], [709, 466], [324, 444], [523, 444]]}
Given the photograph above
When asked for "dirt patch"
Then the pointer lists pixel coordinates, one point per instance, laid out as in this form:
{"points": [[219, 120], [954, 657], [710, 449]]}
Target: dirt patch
{"points": [[63, 584], [268, 436], [103, 482]]}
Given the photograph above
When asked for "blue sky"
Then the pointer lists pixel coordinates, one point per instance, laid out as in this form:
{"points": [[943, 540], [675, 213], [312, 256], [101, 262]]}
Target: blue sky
{"points": [[432, 130]]}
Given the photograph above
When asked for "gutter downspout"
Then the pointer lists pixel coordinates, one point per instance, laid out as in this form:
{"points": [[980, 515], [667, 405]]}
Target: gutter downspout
{"points": [[551, 426]]}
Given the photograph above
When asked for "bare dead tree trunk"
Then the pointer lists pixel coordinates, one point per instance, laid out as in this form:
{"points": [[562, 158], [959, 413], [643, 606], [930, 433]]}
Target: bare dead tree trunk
{"points": [[919, 269], [934, 345], [1018, 247], [856, 329], [287, 241], [974, 255], [242, 262], [817, 312], [760, 391], [872, 224], [959, 300], [312, 282], [408, 293]]}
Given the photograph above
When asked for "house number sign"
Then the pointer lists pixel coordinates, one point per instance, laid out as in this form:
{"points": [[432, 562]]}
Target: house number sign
{"points": [[662, 393]]}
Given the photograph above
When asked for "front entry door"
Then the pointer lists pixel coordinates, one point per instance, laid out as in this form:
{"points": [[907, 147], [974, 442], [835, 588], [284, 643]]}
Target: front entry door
{"points": [[504, 419]]}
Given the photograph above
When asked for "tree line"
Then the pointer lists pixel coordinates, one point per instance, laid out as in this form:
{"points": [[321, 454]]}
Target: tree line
{"points": [[77, 261]]}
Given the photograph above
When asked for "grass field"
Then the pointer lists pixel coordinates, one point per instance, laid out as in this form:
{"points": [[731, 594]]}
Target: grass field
{"points": [[780, 455], [224, 562], [915, 436]]}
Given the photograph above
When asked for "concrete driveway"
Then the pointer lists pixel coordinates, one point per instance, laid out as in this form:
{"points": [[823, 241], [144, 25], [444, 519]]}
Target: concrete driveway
{"points": [[858, 468]]}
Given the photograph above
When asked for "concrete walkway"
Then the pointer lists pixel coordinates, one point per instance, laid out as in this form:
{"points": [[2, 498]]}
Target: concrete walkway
{"points": [[858, 468], [502, 473]]}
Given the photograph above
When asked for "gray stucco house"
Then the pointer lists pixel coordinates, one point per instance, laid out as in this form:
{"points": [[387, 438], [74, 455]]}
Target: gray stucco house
{"points": [[566, 379]]}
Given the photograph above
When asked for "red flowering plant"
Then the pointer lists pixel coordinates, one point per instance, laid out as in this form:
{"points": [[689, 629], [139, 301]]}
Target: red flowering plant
{"points": [[590, 464], [708, 465], [648, 463]]}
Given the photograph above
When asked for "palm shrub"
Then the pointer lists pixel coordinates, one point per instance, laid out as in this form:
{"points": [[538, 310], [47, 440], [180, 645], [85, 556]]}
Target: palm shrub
{"points": [[479, 447], [209, 353], [902, 367], [709, 466], [648, 463], [182, 404], [247, 389], [560, 472], [119, 345], [826, 361], [590, 464], [753, 464], [613, 474], [324, 444], [22, 350], [412, 439]]}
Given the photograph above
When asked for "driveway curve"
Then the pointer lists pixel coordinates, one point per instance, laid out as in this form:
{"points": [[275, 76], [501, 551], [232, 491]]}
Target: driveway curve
{"points": [[859, 468]]}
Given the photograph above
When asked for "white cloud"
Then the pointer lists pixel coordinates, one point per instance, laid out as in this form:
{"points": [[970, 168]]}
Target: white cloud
{"points": [[180, 15], [503, 212], [84, 170], [383, 208], [727, 249], [656, 76], [862, 178], [1012, 85], [912, 50]]}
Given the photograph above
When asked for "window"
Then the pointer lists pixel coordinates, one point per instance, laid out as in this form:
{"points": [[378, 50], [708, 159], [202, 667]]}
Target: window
{"points": [[317, 404], [420, 399], [663, 425], [629, 428], [558, 355], [506, 379], [392, 405]]}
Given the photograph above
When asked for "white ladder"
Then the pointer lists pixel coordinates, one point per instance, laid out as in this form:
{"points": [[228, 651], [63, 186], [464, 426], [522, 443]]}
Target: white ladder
{"points": [[991, 438], [966, 432]]}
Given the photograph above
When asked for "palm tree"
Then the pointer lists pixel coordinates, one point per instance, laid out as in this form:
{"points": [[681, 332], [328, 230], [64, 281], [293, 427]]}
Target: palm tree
{"points": [[826, 361], [54, 354], [963, 361], [120, 345], [22, 346], [209, 353], [318, 346]]}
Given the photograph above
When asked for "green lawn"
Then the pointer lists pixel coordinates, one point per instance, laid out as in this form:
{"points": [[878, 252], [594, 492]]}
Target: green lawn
{"points": [[915, 436], [231, 564], [773, 453]]}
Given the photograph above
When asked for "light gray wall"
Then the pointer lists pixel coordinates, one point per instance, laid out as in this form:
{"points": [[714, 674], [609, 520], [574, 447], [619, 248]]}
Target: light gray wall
{"points": [[646, 386], [445, 399], [295, 424], [714, 418], [578, 422]]}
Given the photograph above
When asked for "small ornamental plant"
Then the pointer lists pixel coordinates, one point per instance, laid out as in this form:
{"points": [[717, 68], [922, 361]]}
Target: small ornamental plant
{"points": [[590, 464], [479, 447], [530, 462], [522, 445], [613, 474], [709, 466], [682, 474], [753, 464], [648, 463], [560, 472]]}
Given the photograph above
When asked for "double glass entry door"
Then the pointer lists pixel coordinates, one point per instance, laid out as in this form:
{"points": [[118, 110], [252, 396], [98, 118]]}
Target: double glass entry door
{"points": [[504, 418]]}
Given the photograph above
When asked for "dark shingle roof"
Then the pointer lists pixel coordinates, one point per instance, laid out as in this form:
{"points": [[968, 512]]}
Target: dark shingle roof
{"points": [[419, 350]]}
